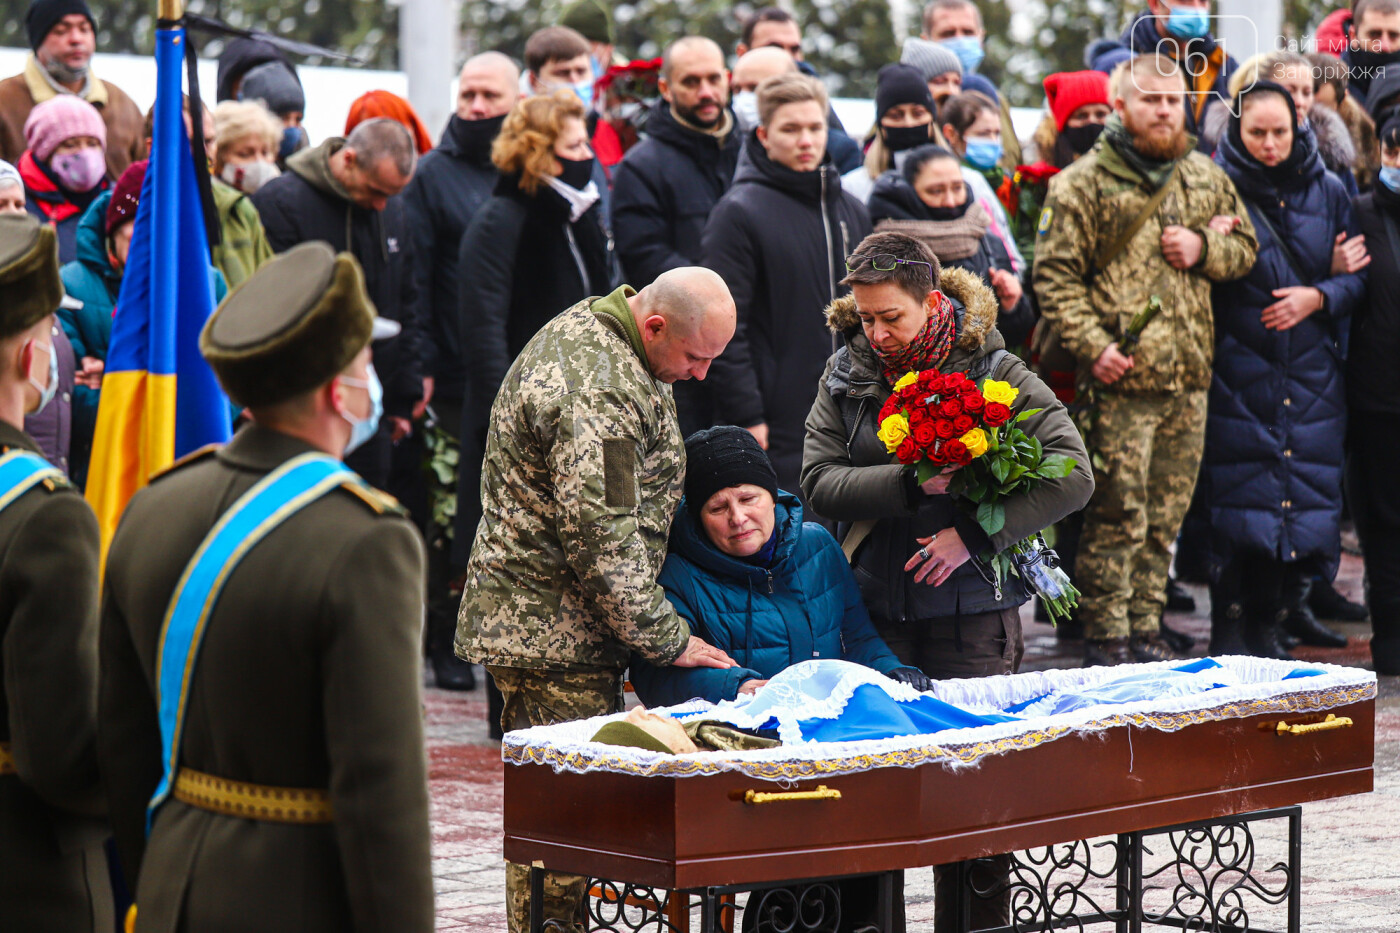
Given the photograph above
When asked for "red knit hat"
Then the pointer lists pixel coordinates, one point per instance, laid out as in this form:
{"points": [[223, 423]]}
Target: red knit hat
{"points": [[126, 195], [375, 104], [1067, 91]]}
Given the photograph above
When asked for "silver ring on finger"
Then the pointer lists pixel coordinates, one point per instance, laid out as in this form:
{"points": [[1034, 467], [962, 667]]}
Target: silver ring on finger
{"points": [[923, 552]]}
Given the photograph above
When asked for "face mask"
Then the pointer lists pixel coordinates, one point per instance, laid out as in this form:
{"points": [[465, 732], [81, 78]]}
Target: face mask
{"points": [[577, 173], [250, 176], [946, 213], [1187, 22], [900, 138], [1082, 138], [292, 138], [968, 49], [628, 112], [584, 90], [46, 392], [983, 154], [745, 107], [362, 429], [81, 170], [1390, 177], [65, 75]]}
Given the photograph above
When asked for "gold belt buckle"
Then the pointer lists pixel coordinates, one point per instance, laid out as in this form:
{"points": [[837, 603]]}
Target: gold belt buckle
{"points": [[253, 801]]}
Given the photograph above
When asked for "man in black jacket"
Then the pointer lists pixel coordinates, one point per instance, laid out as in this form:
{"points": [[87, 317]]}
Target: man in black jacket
{"points": [[448, 187], [666, 185], [346, 192], [779, 238]]}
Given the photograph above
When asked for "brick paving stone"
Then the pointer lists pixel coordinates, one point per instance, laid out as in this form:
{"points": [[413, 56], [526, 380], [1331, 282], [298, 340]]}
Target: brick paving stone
{"points": [[1351, 845]]}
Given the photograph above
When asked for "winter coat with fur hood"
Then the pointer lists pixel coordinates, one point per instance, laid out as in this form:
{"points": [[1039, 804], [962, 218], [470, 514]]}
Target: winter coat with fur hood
{"points": [[848, 476]]}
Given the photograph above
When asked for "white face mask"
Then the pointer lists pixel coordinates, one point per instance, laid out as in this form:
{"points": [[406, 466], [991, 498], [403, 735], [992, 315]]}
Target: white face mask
{"points": [[746, 109], [46, 392], [248, 177]]}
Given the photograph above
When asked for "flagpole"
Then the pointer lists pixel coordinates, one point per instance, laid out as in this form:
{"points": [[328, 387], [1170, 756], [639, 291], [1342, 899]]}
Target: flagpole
{"points": [[169, 9]]}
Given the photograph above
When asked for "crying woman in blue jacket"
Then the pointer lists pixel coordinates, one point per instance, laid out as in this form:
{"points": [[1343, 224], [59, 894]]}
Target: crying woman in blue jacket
{"points": [[756, 581]]}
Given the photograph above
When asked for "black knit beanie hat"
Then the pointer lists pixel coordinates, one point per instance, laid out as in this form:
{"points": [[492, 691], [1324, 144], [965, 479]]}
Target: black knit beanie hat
{"points": [[901, 84], [720, 457], [43, 15]]}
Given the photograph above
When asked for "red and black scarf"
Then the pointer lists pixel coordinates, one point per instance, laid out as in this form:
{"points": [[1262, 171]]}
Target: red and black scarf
{"points": [[930, 346]]}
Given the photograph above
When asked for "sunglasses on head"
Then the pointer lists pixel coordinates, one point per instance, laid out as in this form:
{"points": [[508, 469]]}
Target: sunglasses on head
{"points": [[885, 262]]}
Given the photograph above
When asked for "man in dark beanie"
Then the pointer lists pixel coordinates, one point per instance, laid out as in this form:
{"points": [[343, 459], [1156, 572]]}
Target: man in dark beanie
{"points": [[63, 35], [276, 86]]}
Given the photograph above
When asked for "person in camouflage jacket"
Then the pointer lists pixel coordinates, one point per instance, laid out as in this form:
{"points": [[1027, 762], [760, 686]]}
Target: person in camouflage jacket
{"points": [[1146, 432], [583, 472]]}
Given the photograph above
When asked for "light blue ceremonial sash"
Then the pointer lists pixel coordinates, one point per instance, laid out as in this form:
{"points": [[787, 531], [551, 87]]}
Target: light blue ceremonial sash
{"points": [[22, 470], [276, 497]]}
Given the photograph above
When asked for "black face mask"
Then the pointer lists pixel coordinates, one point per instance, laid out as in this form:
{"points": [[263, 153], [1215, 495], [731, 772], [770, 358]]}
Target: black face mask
{"points": [[1368, 67], [947, 213], [900, 138], [474, 137], [1081, 138], [577, 173]]}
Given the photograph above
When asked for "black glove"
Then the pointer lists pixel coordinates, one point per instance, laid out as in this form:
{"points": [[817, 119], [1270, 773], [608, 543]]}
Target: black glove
{"points": [[913, 677]]}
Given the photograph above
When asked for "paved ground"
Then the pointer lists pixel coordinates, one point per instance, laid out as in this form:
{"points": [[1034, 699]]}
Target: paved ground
{"points": [[1351, 861]]}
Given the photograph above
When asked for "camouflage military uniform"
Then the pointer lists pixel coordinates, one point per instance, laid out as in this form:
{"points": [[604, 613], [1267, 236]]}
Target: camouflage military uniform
{"points": [[1147, 434], [583, 472]]}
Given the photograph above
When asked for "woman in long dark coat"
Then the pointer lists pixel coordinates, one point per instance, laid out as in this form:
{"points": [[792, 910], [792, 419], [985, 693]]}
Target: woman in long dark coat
{"points": [[1272, 475]]}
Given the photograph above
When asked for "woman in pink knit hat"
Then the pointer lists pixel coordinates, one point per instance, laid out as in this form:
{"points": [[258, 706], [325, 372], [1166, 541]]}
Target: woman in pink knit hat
{"points": [[65, 165]]}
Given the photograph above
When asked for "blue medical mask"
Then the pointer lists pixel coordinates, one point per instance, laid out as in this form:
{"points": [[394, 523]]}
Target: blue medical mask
{"points": [[983, 154], [584, 90], [291, 141], [1390, 177], [968, 49], [1187, 22], [47, 392], [362, 429]]}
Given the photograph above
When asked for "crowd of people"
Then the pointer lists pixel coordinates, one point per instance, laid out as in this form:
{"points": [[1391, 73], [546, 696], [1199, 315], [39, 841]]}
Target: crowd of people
{"points": [[636, 321]]}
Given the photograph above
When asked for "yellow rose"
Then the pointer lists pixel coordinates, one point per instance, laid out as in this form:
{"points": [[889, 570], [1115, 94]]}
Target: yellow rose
{"points": [[893, 431], [976, 441], [906, 379], [994, 391]]}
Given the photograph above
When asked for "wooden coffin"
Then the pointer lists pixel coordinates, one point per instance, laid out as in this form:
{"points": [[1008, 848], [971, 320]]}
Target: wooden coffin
{"points": [[692, 831]]}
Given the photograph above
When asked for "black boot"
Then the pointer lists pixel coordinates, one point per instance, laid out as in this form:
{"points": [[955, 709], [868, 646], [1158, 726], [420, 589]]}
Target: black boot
{"points": [[1107, 652], [1151, 646], [1299, 620], [1178, 600], [1261, 634], [1226, 626], [1327, 603], [1179, 641]]}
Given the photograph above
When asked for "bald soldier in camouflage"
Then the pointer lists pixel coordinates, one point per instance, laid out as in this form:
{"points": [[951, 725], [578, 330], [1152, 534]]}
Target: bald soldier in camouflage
{"points": [[1148, 430], [583, 472]]}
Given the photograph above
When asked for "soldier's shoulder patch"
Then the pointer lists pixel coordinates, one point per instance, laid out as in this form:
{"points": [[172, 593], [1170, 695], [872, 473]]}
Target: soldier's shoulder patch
{"points": [[193, 456], [1047, 217], [381, 503]]}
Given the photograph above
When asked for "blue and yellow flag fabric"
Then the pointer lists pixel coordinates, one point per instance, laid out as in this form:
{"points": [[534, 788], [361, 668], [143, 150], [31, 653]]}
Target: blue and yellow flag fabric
{"points": [[160, 399]]}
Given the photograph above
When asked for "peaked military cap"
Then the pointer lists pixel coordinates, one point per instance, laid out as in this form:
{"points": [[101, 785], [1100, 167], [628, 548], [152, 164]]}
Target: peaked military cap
{"points": [[30, 288], [292, 326]]}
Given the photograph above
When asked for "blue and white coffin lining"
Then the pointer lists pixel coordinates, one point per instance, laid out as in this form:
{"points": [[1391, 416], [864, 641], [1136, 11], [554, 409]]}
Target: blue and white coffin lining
{"points": [[825, 712]]}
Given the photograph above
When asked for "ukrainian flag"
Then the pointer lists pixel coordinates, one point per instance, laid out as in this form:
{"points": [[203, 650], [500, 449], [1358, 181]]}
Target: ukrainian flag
{"points": [[160, 399]]}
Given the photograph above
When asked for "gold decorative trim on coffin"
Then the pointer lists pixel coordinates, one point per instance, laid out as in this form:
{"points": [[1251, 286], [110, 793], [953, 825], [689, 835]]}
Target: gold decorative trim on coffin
{"points": [[954, 755]]}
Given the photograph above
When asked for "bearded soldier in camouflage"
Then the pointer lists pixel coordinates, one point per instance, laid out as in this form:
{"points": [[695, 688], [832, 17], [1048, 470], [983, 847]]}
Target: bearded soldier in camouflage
{"points": [[583, 472], [1093, 272]]}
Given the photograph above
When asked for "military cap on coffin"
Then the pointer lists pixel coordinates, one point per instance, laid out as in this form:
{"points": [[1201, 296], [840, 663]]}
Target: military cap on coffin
{"points": [[30, 288], [291, 327]]}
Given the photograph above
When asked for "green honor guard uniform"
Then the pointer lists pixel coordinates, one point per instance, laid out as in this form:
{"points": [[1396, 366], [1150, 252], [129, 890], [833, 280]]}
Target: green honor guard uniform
{"points": [[53, 875], [260, 712]]}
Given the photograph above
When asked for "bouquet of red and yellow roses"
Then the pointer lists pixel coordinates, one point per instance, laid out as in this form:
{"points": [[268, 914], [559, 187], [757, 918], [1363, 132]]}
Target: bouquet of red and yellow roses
{"points": [[940, 421]]}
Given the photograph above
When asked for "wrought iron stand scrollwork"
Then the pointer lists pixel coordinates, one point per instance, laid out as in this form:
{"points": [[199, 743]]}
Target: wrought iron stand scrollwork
{"points": [[1209, 880]]}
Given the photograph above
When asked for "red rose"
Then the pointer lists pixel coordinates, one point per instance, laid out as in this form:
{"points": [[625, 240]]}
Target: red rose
{"points": [[973, 403], [936, 454], [890, 407], [944, 429], [909, 392], [963, 423], [957, 453], [996, 414], [918, 415], [950, 408], [923, 433], [908, 451], [928, 379]]}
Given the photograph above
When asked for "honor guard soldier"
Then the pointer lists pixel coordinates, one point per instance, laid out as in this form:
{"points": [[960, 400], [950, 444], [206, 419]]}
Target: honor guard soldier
{"points": [[261, 728], [53, 876]]}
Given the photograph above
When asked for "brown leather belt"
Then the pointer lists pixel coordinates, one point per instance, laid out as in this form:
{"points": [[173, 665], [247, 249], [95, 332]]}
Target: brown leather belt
{"points": [[7, 761], [253, 801]]}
